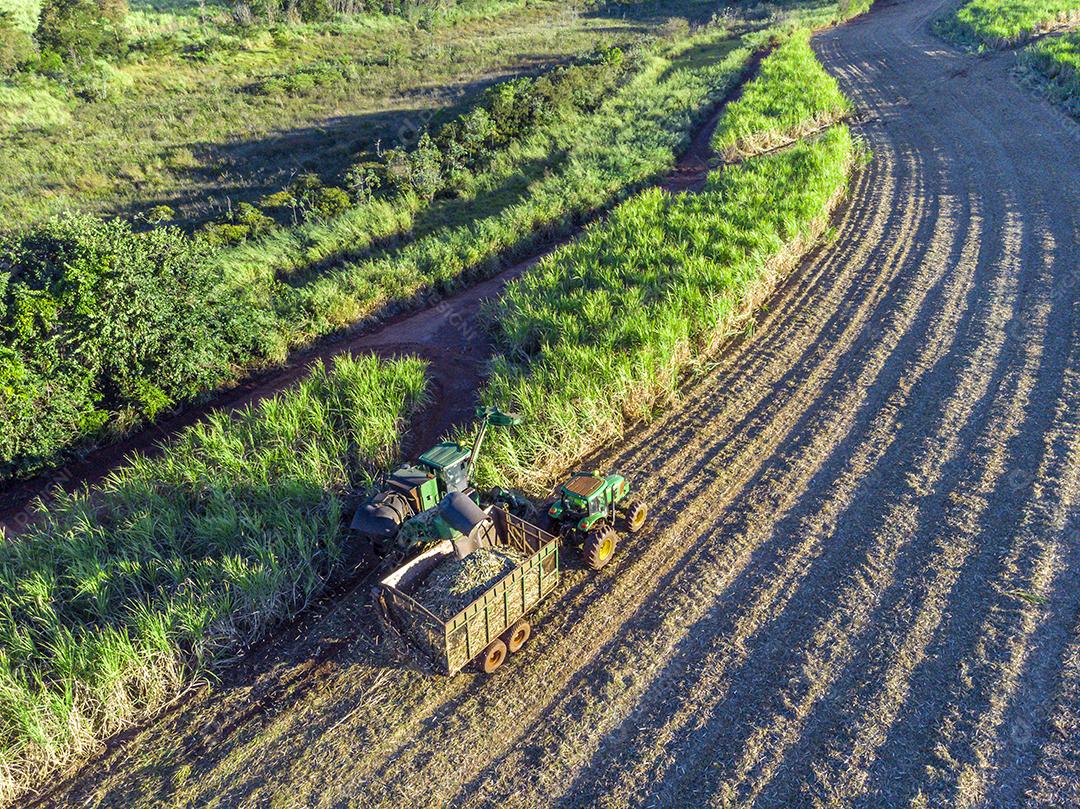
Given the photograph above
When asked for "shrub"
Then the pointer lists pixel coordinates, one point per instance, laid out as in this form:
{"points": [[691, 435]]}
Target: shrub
{"points": [[76, 31], [159, 215], [96, 80], [508, 112], [95, 313], [327, 202], [17, 49], [363, 180], [257, 223], [273, 11], [222, 234], [419, 171], [304, 80]]}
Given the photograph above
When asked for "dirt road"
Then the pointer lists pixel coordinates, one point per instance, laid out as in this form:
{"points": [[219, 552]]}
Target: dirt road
{"points": [[860, 584]]}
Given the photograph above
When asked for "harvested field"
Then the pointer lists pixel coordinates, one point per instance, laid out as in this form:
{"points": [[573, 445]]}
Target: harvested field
{"points": [[859, 587]]}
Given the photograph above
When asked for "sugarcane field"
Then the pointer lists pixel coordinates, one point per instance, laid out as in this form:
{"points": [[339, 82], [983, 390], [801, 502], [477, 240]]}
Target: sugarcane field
{"points": [[540, 403]]}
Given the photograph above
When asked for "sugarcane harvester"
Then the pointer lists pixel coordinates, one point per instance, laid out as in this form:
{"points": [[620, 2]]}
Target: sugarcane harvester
{"points": [[439, 486]]}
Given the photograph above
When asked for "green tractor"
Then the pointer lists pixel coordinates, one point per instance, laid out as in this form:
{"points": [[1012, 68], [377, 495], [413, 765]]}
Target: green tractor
{"points": [[418, 489], [587, 510]]}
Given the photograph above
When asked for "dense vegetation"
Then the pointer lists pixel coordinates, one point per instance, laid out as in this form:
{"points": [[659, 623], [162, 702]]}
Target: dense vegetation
{"points": [[112, 604], [602, 330], [99, 323], [1057, 60], [443, 162], [791, 95], [577, 158], [1001, 23]]}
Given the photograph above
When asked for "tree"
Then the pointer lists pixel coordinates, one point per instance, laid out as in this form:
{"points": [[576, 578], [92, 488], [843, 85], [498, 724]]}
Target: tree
{"points": [[16, 46], [81, 30]]}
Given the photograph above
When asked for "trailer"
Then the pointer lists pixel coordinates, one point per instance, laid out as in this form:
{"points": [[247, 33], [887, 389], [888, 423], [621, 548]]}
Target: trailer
{"points": [[494, 625]]}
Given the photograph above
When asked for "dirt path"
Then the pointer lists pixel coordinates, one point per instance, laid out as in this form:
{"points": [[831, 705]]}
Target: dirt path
{"points": [[859, 586]]}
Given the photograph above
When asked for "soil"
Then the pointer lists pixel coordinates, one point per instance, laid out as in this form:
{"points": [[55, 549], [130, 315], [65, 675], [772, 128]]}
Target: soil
{"points": [[858, 582]]}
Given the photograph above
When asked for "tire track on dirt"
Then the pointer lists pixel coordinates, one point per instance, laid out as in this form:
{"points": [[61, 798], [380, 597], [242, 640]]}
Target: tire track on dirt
{"points": [[838, 532], [692, 451], [647, 565], [834, 752], [960, 514], [744, 462]]}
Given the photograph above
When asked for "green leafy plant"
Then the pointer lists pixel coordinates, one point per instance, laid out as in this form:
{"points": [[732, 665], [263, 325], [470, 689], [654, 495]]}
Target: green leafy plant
{"points": [[17, 48], [1057, 61], [117, 599], [791, 95], [602, 330], [80, 30], [1002, 23], [94, 311]]}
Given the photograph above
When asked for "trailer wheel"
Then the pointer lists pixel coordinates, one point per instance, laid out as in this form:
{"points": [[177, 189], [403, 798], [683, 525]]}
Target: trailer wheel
{"points": [[599, 546], [636, 514], [516, 636], [493, 657]]}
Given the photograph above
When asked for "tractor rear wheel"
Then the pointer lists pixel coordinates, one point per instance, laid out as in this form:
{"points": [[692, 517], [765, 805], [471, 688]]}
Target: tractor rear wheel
{"points": [[516, 636], [636, 514], [599, 546], [493, 657]]}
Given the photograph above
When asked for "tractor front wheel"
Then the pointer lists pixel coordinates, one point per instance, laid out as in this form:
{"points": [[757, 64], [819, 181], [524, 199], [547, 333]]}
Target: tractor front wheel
{"points": [[599, 546], [636, 514]]}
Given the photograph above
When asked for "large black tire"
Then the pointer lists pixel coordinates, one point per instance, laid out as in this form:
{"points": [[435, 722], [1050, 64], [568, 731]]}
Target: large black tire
{"points": [[636, 513], [600, 546]]}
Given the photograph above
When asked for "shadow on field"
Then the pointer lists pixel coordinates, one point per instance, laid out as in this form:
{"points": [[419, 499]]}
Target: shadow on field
{"points": [[442, 217], [221, 174]]}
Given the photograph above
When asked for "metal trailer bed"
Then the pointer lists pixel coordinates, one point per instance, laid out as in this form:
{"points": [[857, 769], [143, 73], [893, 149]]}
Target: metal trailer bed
{"points": [[453, 643]]}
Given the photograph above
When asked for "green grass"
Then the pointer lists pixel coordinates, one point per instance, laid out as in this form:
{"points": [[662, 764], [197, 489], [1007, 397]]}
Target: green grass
{"points": [[181, 125], [601, 332], [303, 283], [117, 601], [1004, 23], [533, 192], [379, 258], [791, 95], [30, 107], [23, 12], [1057, 61]]}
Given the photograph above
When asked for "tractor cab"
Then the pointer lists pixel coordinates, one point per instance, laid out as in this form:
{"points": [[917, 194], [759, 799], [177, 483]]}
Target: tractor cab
{"points": [[587, 497], [448, 462]]}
